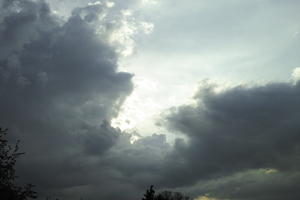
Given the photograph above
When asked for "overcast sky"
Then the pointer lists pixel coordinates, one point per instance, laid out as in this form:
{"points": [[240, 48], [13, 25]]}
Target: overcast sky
{"points": [[109, 97]]}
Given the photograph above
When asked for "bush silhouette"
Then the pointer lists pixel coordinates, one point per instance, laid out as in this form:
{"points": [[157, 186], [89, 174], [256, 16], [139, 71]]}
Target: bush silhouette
{"points": [[9, 154]]}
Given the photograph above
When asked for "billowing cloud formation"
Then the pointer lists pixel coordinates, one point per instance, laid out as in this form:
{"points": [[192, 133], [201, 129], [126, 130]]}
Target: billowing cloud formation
{"points": [[59, 73], [60, 87], [243, 142]]}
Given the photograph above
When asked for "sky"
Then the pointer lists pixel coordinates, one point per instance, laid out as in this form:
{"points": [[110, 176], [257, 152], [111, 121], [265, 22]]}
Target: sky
{"points": [[110, 97]]}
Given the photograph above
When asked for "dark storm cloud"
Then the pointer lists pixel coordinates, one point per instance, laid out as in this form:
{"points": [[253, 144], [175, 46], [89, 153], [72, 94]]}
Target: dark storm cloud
{"points": [[56, 77], [59, 88], [236, 130]]}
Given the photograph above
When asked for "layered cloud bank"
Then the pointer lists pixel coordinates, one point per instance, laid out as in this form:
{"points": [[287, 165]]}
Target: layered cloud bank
{"points": [[60, 87], [243, 143]]}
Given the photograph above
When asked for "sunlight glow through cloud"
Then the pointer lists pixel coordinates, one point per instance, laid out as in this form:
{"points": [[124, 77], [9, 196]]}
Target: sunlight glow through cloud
{"points": [[128, 28], [296, 74], [110, 96], [139, 106], [205, 198], [148, 100]]}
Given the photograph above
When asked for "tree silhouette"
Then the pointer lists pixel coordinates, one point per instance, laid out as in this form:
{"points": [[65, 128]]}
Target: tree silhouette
{"points": [[164, 195], [169, 195], [149, 195], [8, 158]]}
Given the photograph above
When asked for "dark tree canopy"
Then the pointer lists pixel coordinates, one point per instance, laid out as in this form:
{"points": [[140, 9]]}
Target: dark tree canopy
{"points": [[9, 190], [169, 195], [149, 195], [164, 195]]}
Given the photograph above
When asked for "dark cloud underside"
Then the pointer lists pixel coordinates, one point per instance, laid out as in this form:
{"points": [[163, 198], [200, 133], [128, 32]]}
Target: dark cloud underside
{"points": [[238, 130]]}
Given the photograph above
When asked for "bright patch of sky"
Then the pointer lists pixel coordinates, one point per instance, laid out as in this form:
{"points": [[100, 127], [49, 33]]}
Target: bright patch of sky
{"points": [[183, 42], [205, 198], [229, 42]]}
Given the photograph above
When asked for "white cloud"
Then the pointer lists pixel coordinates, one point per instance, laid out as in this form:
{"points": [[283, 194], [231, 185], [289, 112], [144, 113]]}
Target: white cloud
{"points": [[95, 3], [147, 27], [154, 2], [296, 74], [139, 106], [110, 4]]}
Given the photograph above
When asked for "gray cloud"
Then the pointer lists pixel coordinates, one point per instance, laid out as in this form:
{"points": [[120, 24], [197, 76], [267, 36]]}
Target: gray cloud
{"points": [[236, 130], [259, 184], [60, 87]]}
